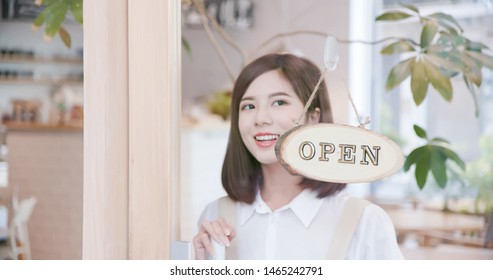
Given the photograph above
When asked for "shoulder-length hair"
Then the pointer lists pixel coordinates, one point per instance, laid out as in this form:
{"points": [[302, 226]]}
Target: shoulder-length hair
{"points": [[241, 172]]}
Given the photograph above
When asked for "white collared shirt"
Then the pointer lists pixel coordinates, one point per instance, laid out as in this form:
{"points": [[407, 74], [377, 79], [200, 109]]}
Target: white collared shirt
{"points": [[304, 228]]}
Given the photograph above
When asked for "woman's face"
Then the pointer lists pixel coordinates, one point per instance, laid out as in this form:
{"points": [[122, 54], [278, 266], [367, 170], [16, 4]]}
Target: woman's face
{"points": [[269, 108]]}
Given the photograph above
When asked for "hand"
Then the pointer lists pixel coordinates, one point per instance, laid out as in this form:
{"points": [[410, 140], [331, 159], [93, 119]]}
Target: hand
{"points": [[219, 230]]}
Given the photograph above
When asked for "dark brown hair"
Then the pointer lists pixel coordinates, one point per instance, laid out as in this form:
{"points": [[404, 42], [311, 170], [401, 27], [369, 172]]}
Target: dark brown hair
{"points": [[241, 172]]}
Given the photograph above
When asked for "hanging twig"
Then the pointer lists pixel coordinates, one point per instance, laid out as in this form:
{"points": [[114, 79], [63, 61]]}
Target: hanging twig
{"points": [[204, 20], [227, 39], [362, 124], [281, 35], [312, 96], [323, 34]]}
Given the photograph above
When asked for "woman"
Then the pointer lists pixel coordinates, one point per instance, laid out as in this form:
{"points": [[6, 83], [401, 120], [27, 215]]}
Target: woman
{"points": [[279, 215]]}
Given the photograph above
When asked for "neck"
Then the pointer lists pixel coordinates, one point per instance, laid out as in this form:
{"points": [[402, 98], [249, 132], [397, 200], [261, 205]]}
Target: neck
{"points": [[278, 186]]}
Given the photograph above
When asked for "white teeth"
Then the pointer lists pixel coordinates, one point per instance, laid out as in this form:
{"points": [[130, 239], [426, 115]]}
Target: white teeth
{"points": [[266, 137]]}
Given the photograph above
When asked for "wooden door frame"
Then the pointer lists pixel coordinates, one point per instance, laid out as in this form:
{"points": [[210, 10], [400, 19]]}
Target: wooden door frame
{"points": [[132, 104]]}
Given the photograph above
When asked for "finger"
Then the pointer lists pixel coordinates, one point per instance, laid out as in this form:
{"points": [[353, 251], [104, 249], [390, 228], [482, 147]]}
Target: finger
{"points": [[211, 231], [226, 226], [220, 233], [202, 243], [207, 244], [229, 230], [199, 248], [232, 234]]}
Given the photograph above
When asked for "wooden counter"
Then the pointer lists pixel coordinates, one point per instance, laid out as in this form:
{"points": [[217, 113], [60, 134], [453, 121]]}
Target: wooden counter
{"points": [[447, 252], [41, 127], [420, 220]]}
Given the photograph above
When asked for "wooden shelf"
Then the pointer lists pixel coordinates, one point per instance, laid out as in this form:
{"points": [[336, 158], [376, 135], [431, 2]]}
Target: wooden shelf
{"points": [[39, 60], [42, 127], [30, 81]]}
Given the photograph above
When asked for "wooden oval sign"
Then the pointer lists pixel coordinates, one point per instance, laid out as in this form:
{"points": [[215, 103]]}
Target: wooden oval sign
{"points": [[338, 153]]}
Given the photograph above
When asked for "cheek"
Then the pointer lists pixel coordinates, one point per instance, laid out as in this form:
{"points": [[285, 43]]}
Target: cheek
{"points": [[242, 126], [289, 118]]}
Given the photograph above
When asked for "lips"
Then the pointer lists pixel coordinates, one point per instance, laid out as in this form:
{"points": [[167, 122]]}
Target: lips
{"points": [[265, 139]]}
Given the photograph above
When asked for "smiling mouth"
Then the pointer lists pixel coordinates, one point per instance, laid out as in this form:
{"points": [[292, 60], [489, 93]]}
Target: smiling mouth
{"points": [[268, 137]]}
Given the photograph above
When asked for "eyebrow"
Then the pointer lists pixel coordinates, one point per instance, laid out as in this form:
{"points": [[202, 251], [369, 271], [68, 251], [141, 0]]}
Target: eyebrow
{"points": [[270, 96]]}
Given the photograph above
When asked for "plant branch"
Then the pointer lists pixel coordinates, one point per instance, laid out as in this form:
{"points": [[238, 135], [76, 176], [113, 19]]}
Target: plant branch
{"points": [[281, 35], [226, 37], [323, 34], [378, 41], [213, 40]]}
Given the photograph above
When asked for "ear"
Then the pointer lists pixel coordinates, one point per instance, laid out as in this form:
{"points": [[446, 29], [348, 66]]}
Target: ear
{"points": [[314, 116]]}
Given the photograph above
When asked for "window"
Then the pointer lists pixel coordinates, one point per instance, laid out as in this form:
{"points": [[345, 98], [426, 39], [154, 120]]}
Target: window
{"points": [[394, 113]]}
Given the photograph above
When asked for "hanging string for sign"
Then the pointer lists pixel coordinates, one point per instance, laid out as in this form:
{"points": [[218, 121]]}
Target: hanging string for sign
{"points": [[367, 120], [333, 152], [331, 61]]}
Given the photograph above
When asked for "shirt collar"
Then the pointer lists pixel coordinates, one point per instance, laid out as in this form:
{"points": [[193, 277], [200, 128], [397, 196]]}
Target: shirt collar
{"points": [[305, 206]]}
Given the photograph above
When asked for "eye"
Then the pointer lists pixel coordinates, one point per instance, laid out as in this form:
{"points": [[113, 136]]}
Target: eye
{"points": [[247, 107], [279, 103]]}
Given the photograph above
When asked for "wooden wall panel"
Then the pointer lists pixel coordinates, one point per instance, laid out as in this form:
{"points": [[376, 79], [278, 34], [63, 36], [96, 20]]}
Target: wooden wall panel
{"points": [[152, 126], [105, 230], [131, 138]]}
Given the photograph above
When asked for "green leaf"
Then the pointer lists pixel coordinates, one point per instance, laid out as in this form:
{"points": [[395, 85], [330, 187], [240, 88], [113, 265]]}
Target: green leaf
{"points": [[447, 39], [436, 49], [410, 7], [438, 167], [55, 14], [422, 169], [49, 2], [439, 81], [445, 20], [420, 132], [414, 157], [475, 46], [453, 156], [484, 59], [76, 9], [451, 30], [65, 37], [439, 139], [186, 46], [428, 33], [399, 73], [398, 47], [39, 20], [393, 15], [470, 87], [468, 60], [474, 75], [461, 60], [419, 82], [445, 61]]}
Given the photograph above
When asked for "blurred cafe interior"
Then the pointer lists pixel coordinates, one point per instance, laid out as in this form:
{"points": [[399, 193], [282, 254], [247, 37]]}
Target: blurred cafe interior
{"points": [[42, 110]]}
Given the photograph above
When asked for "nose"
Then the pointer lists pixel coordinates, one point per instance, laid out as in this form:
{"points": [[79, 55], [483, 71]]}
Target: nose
{"points": [[263, 116]]}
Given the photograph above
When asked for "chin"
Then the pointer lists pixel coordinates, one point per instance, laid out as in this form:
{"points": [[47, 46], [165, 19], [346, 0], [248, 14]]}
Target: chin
{"points": [[267, 159], [269, 162]]}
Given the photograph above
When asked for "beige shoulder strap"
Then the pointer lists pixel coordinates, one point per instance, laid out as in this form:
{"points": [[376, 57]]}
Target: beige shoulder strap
{"points": [[346, 226], [227, 210], [348, 222]]}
